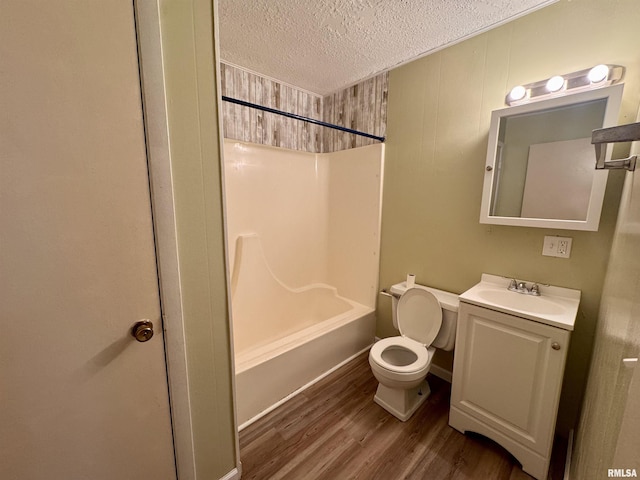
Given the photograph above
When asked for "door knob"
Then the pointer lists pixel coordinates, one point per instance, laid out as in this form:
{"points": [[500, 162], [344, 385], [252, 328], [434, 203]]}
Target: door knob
{"points": [[142, 331]]}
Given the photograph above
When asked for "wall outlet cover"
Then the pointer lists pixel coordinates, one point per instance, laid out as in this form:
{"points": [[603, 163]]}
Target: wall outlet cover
{"points": [[557, 246]]}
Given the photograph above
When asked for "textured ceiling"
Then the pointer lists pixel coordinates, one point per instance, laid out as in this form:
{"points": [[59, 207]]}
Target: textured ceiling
{"points": [[325, 45]]}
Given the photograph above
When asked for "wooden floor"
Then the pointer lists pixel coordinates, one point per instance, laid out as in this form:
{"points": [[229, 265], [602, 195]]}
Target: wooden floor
{"points": [[334, 431]]}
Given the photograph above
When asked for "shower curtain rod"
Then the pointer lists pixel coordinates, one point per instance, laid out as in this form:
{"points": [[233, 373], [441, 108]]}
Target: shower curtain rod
{"points": [[300, 117]]}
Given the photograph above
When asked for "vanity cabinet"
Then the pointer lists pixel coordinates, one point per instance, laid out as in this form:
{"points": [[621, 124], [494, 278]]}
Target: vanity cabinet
{"points": [[507, 377]]}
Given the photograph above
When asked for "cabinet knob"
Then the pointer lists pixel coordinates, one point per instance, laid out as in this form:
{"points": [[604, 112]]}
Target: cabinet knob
{"points": [[488, 168], [555, 346]]}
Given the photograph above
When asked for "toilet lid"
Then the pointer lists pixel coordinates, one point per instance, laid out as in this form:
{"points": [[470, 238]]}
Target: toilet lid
{"points": [[419, 315]]}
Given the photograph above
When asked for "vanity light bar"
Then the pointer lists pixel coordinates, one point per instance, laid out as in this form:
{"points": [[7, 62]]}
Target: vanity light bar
{"points": [[596, 77]]}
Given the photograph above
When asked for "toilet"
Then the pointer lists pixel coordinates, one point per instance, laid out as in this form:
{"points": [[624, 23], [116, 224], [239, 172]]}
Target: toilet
{"points": [[427, 319]]}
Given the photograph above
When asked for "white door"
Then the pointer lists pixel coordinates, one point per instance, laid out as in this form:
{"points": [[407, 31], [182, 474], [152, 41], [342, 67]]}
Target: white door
{"points": [[80, 398]]}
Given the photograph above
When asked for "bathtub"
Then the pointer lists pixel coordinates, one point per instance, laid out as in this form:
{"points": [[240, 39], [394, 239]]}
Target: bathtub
{"points": [[286, 339]]}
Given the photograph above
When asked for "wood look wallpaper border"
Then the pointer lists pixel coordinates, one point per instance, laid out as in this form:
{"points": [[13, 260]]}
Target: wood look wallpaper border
{"points": [[360, 107], [251, 125]]}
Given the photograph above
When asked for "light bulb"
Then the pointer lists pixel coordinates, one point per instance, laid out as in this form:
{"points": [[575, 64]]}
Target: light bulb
{"points": [[598, 73], [517, 93], [555, 83]]}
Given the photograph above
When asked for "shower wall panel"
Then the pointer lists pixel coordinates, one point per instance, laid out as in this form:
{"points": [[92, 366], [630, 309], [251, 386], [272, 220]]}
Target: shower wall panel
{"points": [[317, 215], [280, 195], [355, 202]]}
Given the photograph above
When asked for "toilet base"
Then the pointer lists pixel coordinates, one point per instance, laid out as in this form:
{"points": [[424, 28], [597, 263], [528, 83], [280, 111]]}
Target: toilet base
{"points": [[402, 403]]}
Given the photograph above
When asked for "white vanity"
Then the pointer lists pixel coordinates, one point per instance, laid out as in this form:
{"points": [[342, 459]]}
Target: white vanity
{"points": [[510, 355]]}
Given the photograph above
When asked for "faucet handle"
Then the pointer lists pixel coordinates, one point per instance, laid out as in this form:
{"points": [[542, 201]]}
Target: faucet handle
{"points": [[513, 285], [535, 290]]}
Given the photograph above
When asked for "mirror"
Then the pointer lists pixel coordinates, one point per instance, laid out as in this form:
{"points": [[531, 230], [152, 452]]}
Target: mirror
{"points": [[540, 169]]}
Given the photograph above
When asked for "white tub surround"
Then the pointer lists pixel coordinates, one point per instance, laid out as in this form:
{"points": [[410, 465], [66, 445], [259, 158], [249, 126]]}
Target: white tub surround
{"points": [[303, 235], [285, 338], [266, 311]]}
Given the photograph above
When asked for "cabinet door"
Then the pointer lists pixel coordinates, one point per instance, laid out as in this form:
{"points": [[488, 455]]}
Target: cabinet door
{"points": [[508, 374]]}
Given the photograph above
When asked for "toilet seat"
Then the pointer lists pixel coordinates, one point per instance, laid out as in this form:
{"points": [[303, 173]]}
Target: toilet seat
{"points": [[423, 355], [419, 321]]}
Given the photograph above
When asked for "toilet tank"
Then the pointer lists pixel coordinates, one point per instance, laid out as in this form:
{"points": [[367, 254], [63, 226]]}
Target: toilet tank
{"points": [[446, 338]]}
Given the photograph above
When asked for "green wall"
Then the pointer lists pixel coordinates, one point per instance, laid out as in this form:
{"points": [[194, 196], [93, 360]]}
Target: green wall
{"points": [[438, 119]]}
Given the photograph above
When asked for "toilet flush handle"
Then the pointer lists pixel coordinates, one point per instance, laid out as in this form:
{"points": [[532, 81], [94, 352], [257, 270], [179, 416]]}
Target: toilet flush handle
{"points": [[387, 294]]}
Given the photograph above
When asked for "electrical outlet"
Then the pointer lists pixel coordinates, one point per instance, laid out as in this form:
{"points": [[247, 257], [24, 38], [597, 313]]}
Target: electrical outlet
{"points": [[557, 247], [564, 247]]}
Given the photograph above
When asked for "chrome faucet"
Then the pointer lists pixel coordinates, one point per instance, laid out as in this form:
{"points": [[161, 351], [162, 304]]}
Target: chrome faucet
{"points": [[521, 287]]}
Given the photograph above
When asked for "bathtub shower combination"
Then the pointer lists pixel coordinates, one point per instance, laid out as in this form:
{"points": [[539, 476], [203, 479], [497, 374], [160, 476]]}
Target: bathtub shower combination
{"points": [[304, 235]]}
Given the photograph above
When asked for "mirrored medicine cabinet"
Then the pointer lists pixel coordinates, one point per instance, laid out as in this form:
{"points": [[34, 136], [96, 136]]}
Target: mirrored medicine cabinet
{"points": [[540, 167]]}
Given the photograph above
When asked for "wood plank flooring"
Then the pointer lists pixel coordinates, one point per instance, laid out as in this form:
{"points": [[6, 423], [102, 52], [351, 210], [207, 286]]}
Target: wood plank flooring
{"points": [[335, 431]]}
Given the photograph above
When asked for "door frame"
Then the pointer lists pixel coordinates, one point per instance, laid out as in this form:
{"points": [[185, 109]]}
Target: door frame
{"points": [[154, 97]]}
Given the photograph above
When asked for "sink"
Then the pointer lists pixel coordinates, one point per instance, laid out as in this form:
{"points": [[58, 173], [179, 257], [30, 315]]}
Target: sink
{"points": [[556, 306], [522, 303]]}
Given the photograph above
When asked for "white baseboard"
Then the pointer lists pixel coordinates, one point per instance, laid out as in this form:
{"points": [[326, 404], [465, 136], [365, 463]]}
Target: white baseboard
{"points": [[567, 461], [232, 475], [440, 372]]}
